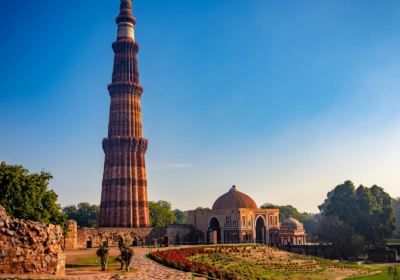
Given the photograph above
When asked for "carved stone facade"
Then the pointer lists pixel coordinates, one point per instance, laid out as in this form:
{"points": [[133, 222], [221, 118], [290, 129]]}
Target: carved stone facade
{"points": [[28, 247], [124, 200], [292, 232], [235, 218]]}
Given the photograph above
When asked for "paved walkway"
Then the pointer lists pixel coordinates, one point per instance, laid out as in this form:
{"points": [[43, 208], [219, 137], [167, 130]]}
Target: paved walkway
{"points": [[152, 270], [147, 270]]}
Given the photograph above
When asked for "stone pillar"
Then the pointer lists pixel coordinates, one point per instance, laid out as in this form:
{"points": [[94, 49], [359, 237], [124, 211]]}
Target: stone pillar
{"points": [[71, 242]]}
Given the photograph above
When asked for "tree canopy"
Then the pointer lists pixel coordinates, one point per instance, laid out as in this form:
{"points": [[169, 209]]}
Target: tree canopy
{"points": [[180, 216], [368, 210], [343, 238], [26, 195], [160, 213], [84, 214], [202, 208], [322, 208], [396, 208]]}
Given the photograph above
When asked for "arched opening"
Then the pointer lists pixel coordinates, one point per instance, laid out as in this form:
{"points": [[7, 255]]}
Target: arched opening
{"points": [[177, 240], [214, 226], [89, 243], [228, 238], [234, 238], [246, 238], [135, 241], [260, 226]]}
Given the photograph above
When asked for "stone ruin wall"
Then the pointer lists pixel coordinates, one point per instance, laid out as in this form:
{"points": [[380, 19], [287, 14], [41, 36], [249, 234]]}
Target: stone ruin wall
{"points": [[382, 254], [71, 241], [79, 238], [28, 247]]}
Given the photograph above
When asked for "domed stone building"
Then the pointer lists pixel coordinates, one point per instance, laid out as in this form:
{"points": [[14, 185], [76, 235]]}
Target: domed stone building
{"points": [[235, 218], [292, 231]]}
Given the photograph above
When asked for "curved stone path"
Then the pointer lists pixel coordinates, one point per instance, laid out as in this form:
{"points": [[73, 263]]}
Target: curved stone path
{"points": [[146, 268], [152, 270]]}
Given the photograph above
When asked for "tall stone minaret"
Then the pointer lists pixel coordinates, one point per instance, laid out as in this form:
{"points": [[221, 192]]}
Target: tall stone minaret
{"points": [[124, 191]]}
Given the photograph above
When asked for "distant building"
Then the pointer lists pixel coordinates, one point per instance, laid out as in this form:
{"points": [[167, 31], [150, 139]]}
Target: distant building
{"points": [[235, 218], [292, 231]]}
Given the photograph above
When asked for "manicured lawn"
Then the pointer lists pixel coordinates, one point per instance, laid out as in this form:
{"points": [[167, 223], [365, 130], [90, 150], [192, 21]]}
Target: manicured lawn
{"points": [[384, 273], [393, 241], [258, 263]]}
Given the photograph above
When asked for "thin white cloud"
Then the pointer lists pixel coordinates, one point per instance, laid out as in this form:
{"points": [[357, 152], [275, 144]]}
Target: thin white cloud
{"points": [[165, 165]]}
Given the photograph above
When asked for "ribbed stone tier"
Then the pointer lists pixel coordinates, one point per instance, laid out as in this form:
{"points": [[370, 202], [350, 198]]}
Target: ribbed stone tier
{"points": [[124, 200]]}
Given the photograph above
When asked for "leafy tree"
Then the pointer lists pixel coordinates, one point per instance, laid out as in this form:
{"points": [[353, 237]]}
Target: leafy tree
{"points": [[84, 214], [160, 213], [368, 210], [180, 216], [202, 208], [26, 196], [343, 238], [322, 208], [269, 206], [396, 208]]}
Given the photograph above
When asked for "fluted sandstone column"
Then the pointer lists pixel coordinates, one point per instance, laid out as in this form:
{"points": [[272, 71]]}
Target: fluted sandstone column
{"points": [[124, 190]]}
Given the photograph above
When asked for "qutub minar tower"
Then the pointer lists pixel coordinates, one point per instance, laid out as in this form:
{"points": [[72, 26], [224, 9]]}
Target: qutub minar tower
{"points": [[124, 190]]}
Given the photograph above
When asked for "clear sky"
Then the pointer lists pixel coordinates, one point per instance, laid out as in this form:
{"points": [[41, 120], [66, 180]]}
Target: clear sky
{"points": [[284, 99]]}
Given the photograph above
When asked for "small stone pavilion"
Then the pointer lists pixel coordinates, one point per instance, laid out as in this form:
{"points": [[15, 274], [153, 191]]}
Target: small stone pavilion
{"points": [[292, 231], [235, 218]]}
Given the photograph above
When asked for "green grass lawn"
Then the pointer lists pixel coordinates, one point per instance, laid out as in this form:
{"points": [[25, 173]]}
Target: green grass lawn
{"points": [[393, 241], [383, 274]]}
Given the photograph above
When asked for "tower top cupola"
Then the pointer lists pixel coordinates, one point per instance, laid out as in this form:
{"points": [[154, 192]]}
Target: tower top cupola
{"points": [[126, 21]]}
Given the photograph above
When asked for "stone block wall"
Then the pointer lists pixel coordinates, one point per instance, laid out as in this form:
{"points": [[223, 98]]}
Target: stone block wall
{"points": [[382, 254], [94, 237], [28, 247], [71, 240]]}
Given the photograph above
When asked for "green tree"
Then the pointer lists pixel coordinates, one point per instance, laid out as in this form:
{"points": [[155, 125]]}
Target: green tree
{"points": [[322, 208], [343, 238], [180, 216], [160, 213], [84, 214], [27, 196], [396, 208], [368, 210], [269, 206], [202, 208]]}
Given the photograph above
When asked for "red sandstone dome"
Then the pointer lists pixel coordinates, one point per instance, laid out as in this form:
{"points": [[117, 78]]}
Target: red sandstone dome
{"points": [[234, 199], [291, 224]]}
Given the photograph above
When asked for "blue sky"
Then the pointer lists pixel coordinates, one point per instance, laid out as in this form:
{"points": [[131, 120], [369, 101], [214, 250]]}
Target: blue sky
{"points": [[285, 99]]}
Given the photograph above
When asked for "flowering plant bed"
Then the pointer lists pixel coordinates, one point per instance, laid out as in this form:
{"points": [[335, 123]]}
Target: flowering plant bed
{"points": [[254, 262], [179, 259]]}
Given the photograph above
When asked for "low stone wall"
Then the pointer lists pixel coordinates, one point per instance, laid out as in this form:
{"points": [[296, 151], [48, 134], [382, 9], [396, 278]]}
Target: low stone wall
{"points": [[94, 237], [382, 254], [28, 247]]}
